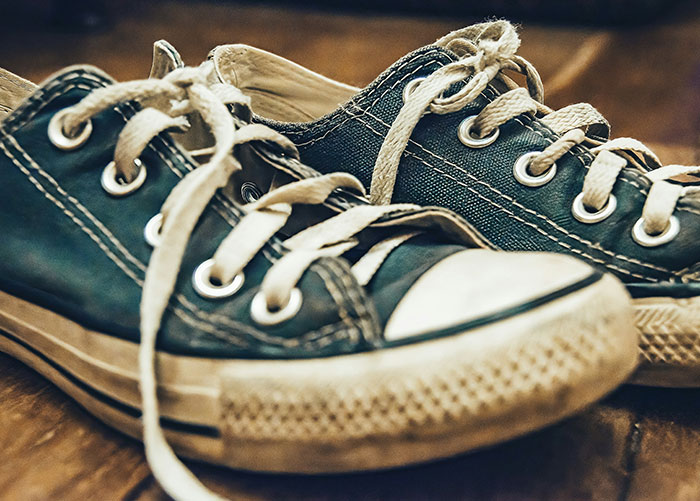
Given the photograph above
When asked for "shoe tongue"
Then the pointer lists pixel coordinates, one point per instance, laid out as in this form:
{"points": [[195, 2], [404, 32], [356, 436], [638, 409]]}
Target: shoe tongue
{"points": [[13, 91], [165, 59]]}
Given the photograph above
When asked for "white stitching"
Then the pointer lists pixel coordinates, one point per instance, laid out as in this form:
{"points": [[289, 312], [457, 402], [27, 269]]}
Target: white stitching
{"points": [[578, 156], [78, 205], [366, 111], [49, 93], [334, 291], [362, 311], [72, 216], [221, 199], [362, 111], [514, 216], [246, 330], [208, 324], [514, 202], [24, 113], [364, 98], [276, 246], [108, 252]]}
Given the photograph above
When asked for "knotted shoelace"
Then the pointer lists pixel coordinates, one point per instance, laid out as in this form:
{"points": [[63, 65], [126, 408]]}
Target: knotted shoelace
{"points": [[184, 91], [484, 52]]}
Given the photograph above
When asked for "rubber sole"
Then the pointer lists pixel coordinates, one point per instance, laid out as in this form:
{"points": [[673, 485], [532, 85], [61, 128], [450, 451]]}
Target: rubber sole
{"points": [[669, 341], [366, 411]]}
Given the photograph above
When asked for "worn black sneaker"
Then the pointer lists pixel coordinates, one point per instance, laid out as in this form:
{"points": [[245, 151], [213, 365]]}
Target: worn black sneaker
{"points": [[446, 126], [305, 331]]}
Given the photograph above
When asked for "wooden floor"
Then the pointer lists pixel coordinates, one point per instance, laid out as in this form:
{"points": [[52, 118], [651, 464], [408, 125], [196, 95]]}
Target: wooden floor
{"points": [[639, 444]]}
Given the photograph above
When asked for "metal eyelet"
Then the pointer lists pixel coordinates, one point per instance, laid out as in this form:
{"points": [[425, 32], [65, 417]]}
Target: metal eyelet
{"points": [[640, 235], [250, 192], [410, 87], [525, 178], [59, 139], [261, 314], [201, 281], [578, 209], [117, 188], [468, 139], [151, 232]]}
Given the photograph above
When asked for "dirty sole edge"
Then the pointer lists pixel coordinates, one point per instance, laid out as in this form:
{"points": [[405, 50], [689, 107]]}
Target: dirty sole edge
{"points": [[366, 411]]}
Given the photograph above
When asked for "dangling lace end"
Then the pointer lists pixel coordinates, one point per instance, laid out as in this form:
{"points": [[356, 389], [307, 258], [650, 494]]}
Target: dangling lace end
{"points": [[175, 478]]}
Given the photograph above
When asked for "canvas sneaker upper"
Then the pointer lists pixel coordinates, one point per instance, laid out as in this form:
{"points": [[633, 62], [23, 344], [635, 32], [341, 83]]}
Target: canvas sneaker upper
{"points": [[258, 314], [446, 126]]}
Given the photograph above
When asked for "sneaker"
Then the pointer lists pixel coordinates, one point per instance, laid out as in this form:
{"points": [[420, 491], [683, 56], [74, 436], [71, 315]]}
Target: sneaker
{"points": [[250, 312], [446, 126]]}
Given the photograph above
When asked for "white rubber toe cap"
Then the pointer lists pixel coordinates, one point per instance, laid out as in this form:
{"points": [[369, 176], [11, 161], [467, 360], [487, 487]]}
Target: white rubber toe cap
{"points": [[476, 283]]}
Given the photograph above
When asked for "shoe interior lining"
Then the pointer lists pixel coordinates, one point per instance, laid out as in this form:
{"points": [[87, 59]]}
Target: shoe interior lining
{"points": [[280, 89], [13, 90]]}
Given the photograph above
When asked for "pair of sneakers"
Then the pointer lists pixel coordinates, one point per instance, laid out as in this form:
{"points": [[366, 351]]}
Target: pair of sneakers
{"points": [[253, 265]]}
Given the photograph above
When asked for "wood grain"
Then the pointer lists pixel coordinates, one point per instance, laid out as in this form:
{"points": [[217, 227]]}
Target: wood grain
{"points": [[51, 449], [666, 445], [639, 444]]}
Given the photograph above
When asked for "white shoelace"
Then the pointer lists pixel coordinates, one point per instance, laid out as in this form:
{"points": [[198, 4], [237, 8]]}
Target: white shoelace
{"points": [[486, 50], [186, 90]]}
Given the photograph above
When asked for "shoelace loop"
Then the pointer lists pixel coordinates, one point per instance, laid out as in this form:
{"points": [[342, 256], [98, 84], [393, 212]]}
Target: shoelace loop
{"points": [[185, 91]]}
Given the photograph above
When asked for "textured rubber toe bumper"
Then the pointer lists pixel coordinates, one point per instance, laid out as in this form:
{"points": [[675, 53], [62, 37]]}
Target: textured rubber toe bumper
{"points": [[669, 343], [371, 410]]}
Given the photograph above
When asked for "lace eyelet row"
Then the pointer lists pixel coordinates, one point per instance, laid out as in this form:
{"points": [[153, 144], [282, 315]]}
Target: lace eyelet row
{"points": [[115, 186], [261, 313], [466, 136], [204, 286], [582, 214], [464, 131], [523, 176], [644, 239], [250, 192], [260, 310], [109, 180], [58, 136], [202, 283]]}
